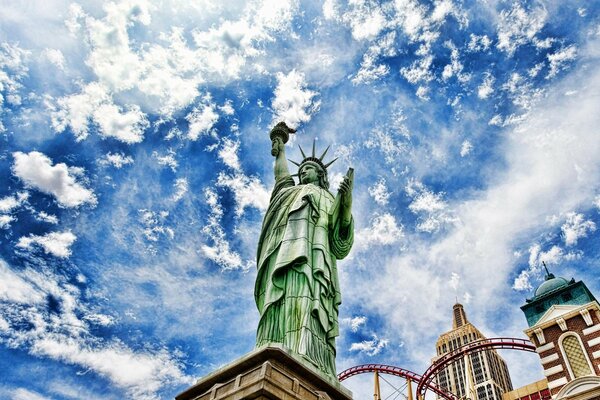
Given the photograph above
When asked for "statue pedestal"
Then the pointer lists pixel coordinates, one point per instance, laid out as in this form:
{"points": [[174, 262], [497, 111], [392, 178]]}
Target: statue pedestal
{"points": [[268, 373]]}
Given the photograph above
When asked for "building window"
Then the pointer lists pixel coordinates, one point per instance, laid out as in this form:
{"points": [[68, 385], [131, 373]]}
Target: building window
{"points": [[576, 358], [567, 296]]}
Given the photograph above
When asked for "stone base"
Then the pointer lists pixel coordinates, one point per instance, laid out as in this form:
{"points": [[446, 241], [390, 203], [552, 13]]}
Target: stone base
{"points": [[268, 373]]}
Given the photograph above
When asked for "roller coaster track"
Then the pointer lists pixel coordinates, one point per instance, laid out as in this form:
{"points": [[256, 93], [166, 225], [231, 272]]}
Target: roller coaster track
{"points": [[425, 381]]}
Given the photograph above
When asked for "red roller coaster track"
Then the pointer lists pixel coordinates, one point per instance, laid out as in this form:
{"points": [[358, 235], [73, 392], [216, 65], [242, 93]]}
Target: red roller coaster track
{"points": [[391, 370], [493, 343], [425, 381]]}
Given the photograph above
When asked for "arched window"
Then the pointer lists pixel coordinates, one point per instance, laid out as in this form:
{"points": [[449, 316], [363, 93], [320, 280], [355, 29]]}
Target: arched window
{"points": [[577, 360]]}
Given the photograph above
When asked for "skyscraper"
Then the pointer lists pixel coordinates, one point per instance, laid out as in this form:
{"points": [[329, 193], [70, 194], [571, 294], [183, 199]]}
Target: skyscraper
{"points": [[482, 375]]}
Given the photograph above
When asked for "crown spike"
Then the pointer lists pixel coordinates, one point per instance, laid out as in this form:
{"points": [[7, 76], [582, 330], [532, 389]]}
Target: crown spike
{"points": [[302, 151], [314, 144], [294, 162], [331, 162], [325, 152]]}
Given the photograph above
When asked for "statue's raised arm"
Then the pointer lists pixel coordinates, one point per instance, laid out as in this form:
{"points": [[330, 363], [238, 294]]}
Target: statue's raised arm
{"points": [[305, 230], [280, 135]]}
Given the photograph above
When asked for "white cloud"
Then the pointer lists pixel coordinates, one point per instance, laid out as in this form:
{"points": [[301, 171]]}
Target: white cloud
{"points": [[220, 251], [597, 202], [10, 203], [455, 68], [552, 256], [419, 71], [366, 20], [522, 92], [432, 209], [465, 148], [95, 105], [478, 43], [25, 394], [16, 289], [383, 141], [355, 322], [370, 347], [154, 225], [5, 221], [142, 374], [36, 170], [163, 71], [181, 186], [422, 93], [228, 153], [227, 108], [370, 70], [293, 102], [522, 283], [575, 228], [202, 119], [118, 160], [55, 57], [384, 230], [454, 281], [560, 59], [518, 26], [57, 244], [487, 86], [330, 9], [64, 334], [45, 217], [248, 191], [535, 70], [379, 192], [127, 127], [13, 68], [168, 160]]}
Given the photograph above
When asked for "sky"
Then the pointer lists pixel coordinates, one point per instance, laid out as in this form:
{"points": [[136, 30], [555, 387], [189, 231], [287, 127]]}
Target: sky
{"points": [[135, 170]]}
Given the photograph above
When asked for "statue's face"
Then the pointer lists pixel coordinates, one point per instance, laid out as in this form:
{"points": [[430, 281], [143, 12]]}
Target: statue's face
{"points": [[309, 174]]}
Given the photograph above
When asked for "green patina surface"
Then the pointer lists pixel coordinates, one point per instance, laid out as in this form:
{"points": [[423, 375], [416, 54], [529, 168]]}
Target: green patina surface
{"points": [[555, 291], [305, 230]]}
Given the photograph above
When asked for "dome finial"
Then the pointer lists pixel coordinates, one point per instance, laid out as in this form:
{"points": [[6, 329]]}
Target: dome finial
{"points": [[548, 274]]}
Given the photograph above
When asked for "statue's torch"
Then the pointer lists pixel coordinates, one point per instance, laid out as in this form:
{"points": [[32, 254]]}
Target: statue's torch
{"points": [[282, 131]]}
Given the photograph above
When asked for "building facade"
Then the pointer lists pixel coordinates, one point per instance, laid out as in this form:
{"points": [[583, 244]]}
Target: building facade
{"points": [[478, 376], [534, 391], [564, 324]]}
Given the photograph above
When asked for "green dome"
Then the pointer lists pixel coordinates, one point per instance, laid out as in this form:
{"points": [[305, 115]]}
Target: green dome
{"points": [[550, 285]]}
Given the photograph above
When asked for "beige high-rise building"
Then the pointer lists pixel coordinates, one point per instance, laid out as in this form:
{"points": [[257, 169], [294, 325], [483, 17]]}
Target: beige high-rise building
{"points": [[478, 376]]}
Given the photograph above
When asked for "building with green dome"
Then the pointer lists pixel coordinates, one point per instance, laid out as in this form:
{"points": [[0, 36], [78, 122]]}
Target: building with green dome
{"points": [[555, 291], [564, 324]]}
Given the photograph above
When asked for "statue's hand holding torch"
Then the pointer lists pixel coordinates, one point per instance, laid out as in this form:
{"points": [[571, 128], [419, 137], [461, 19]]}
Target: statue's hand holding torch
{"points": [[279, 135]]}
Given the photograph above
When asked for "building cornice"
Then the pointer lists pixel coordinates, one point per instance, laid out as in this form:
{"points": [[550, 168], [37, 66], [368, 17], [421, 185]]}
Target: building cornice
{"points": [[593, 305]]}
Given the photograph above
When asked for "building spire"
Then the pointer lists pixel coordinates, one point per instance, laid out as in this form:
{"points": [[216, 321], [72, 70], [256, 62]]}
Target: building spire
{"points": [[459, 316], [548, 274]]}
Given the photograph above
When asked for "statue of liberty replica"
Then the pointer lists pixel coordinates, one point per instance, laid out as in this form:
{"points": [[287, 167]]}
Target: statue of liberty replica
{"points": [[305, 230]]}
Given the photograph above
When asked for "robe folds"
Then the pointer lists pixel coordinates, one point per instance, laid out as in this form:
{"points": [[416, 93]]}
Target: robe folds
{"points": [[297, 290]]}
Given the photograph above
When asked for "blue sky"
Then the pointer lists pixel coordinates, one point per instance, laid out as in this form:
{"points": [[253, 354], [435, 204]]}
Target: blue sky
{"points": [[135, 167]]}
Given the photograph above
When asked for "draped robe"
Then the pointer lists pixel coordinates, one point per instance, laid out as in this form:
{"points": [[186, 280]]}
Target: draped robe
{"points": [[297, 290]]}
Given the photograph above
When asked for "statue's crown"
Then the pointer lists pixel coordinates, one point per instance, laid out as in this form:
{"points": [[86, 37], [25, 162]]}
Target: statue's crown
{"points": [[313, 159]]}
